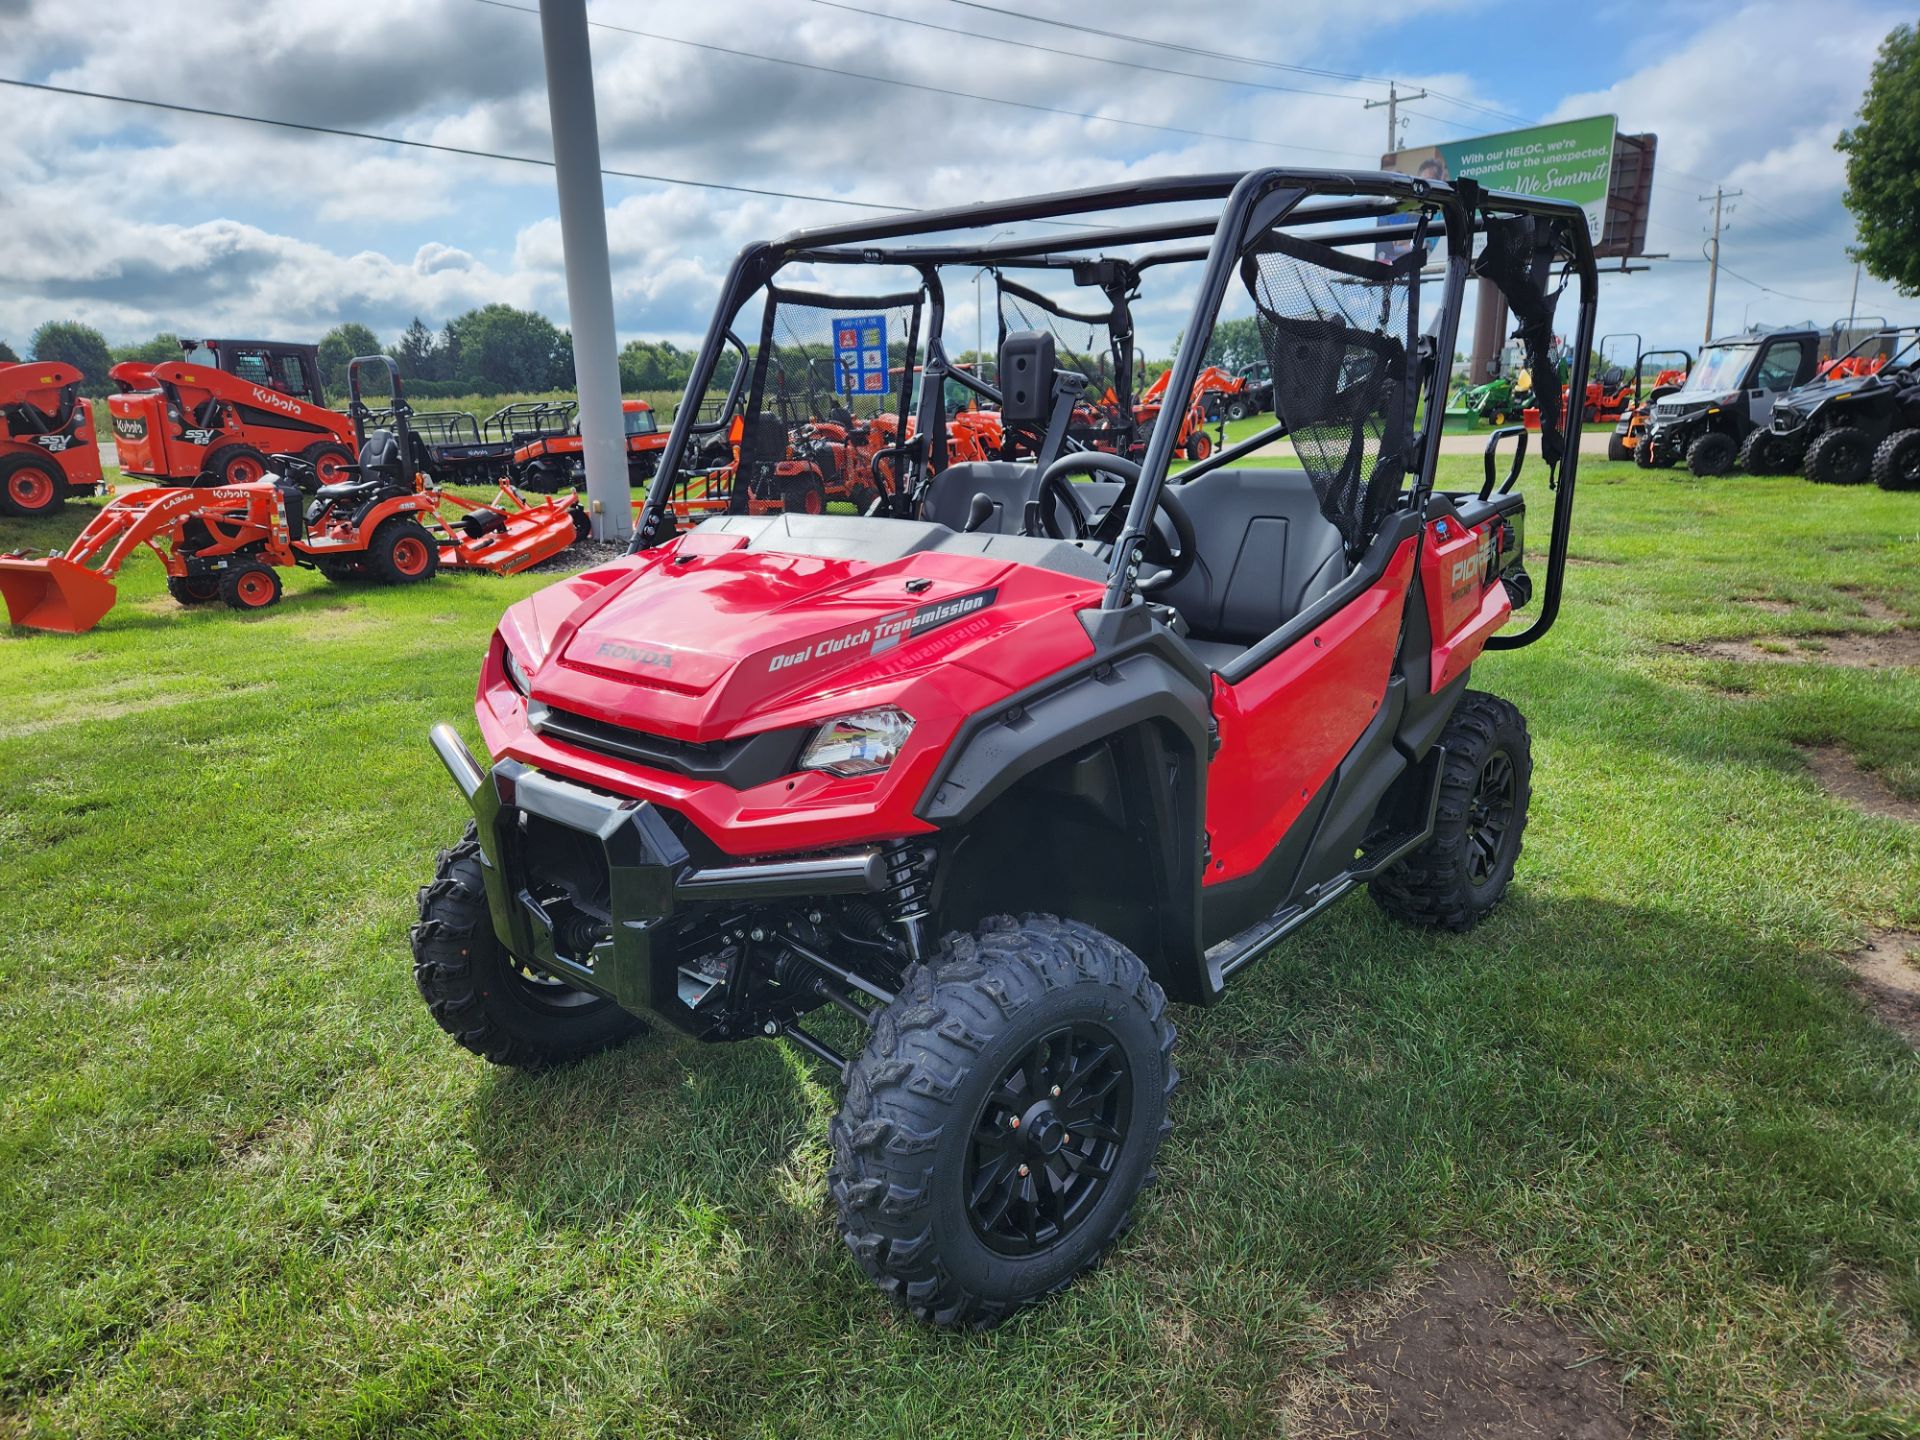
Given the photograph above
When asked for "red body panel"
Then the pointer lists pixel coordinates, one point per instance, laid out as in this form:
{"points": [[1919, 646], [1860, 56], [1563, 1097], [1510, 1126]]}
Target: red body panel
{"points": [[45, 386], [1465, 603], [729, 644], [1285, 728]]}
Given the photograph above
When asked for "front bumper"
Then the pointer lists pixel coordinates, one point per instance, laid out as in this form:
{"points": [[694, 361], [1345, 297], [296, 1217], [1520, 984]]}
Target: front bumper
{"points": [[649, 877]]}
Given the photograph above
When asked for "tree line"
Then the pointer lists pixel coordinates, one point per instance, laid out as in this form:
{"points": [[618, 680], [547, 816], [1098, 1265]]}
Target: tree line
{"points": [[492, 350]]}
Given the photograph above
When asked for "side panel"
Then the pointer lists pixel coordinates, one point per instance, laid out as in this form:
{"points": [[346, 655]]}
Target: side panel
{"points": [[1285, 728], [1465, 601], [139, 422]]}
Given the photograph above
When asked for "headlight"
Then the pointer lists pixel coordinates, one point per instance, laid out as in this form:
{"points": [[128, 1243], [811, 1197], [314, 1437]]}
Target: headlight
{"points": [[516, 676], [860, 744]]}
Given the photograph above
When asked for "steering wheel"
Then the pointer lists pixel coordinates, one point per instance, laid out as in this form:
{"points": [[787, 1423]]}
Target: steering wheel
{"points": [[1056, 493]]}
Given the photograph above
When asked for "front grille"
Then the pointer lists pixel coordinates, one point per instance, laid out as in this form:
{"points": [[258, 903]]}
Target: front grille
{"points": [[742, 764]]}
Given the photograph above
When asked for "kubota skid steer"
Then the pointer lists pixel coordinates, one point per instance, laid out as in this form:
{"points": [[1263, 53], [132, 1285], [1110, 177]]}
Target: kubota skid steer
{"points": [[47, 452], [215, 417]]}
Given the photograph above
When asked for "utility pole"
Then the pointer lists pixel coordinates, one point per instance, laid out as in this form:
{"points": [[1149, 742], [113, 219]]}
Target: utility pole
{"points": [[1853, 305], [1720, 194], [583, 241], [1392, 104]]}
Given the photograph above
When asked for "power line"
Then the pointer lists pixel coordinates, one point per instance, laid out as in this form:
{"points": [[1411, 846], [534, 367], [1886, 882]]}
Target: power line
{"points": [[432, 145], [1097, 59], [906, 84]]}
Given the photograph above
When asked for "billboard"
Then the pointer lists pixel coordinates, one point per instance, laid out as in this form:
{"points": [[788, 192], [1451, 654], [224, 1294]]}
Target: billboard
{"points": [[1568, 160]]}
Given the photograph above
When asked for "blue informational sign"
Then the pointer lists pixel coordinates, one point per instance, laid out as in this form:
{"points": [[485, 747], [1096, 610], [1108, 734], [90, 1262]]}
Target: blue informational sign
{"points": [[860, 355]]}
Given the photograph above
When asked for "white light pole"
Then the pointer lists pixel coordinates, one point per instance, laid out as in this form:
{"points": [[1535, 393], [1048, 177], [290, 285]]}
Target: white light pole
{"points": [[583, 240]]}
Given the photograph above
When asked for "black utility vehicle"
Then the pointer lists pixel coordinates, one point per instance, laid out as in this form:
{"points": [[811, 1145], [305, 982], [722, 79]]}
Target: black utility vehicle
{"points": [[1729, 395], [1857, 422]]}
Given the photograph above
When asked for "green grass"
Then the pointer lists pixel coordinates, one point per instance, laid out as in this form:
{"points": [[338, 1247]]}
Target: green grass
{"points": [[247, 1188]]}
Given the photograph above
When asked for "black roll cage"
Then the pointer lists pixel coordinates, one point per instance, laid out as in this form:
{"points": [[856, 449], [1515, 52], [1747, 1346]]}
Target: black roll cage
{"points": [[1251, 203]]}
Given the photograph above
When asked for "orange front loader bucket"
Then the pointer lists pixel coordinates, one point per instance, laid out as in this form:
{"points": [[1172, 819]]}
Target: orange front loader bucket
{"points": [[54, 594]]}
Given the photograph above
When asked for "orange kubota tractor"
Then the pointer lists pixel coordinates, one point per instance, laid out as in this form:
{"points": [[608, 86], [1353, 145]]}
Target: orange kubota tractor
{"points": [[386, 520], [1213, 386], [215, 416], [47, 450]]}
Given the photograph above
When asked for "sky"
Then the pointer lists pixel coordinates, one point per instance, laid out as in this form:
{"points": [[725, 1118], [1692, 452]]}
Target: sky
{"points": [[136, 220]]}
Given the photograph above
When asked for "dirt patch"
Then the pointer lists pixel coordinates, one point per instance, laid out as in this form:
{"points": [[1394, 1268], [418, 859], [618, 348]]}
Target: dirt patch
{"points": [[1852, 648], [1464, 1360], [1761, 602], [1841, 777], [1872, 606], [581, 555], [1887, 975]]}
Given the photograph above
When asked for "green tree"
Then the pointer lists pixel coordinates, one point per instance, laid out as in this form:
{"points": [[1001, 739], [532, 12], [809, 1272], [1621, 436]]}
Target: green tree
{"points": [[7, 357], [501, 349], [418, 353], [78, 345], [1883, 159], [164, 346], [340, 345]]}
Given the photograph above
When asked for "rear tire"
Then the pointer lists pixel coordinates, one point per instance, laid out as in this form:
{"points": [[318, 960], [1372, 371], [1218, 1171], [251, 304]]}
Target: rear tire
{"points": [[235, 465], [804, 496], [250, 587], [1712, 454], [1617, 448], [194, 589], [402, 553], [31, 486], [541, 478], [1896, 464], [989, 1060], [1463, 870], [1842, 456], [1764, 453], [481, 996]]}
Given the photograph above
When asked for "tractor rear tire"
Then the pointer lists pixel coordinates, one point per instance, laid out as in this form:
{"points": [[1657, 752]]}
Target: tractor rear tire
{"points": [[332, 462], [1896, 464], [31, 486], [1842, 456], [501, 1010], [250, 587], [1463, 870], [1764, 453], [234, 465], [402, 553], [194, 589], [1617, 448], [1002, 1119], [804, 496], [1712, 454]]}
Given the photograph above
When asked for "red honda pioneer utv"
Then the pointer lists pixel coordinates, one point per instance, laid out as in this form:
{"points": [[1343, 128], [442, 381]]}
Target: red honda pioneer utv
{"points": [[1034, 747]]}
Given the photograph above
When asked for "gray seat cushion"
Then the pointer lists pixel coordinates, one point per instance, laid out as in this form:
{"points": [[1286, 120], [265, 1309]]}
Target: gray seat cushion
{"points": [[1266, 553]]}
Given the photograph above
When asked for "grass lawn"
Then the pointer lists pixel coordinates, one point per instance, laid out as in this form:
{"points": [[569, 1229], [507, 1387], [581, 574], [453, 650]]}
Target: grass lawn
{"points": [[247, 1188]]}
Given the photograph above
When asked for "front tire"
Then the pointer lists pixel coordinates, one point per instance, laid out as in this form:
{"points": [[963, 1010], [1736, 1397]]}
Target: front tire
{"points": [[1199, 446], [804, 496], [249, 587], [1896, 464], [1617, 450], [1463, 870], [1712, 454], [1764, 453], [501, 1010], [1002, 1119], [235, 465], [1842, 456], [30, 486]]}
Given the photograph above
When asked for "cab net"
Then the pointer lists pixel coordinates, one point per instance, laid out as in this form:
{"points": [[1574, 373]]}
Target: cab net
{"points": [[1338, 330]]}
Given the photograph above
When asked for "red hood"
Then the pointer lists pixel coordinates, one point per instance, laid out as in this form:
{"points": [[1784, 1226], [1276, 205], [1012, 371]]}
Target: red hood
{"points": [[703, 638]]}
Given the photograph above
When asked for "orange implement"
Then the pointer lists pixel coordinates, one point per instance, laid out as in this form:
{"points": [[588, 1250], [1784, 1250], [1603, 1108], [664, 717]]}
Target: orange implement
{"points": [[506, 535], [54, 594]]}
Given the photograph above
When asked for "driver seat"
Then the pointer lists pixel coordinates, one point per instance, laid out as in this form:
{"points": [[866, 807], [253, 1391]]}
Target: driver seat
{"points": [[1009, 484]]}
